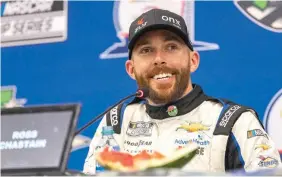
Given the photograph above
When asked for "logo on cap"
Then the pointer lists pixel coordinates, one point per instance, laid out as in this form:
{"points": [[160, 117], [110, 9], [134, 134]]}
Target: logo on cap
{"points": [[140, 22], [171, 20]]}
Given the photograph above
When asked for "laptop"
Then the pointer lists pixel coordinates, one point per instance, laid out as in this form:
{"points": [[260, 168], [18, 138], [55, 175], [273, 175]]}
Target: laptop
{"points": [[37, 140]]}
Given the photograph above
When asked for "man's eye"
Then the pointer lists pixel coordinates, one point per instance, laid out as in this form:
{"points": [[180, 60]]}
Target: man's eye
{"points": [[145, 50], [172, 47]]}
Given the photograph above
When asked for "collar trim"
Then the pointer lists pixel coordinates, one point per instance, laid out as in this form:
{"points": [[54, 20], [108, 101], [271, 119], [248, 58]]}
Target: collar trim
{"points": [[179, 107]]}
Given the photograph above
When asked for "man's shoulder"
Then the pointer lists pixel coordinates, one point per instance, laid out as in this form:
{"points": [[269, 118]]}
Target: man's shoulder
{"points": [[228, 102], [232, 112], [118, 112], [230, 107], [133, 107]]}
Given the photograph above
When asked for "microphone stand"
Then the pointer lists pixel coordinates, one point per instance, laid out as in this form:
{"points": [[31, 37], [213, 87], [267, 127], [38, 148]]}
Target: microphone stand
{"points": [[100, 115]]}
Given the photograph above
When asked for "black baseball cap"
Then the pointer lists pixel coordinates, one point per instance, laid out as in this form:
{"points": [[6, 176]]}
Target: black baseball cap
{"points": [[158, 19]]}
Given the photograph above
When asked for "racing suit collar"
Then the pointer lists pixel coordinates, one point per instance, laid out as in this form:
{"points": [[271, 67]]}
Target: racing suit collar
{"points": [[180, 107]]}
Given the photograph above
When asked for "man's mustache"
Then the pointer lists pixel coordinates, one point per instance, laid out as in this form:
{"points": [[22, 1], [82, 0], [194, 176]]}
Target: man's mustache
{"points": [[163, 69]]}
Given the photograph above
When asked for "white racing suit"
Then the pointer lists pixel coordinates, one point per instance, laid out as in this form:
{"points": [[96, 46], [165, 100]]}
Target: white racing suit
{"points": [[229, 136]]}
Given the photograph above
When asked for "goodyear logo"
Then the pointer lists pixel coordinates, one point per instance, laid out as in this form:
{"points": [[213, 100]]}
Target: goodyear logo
{"points": [[138, 143]]}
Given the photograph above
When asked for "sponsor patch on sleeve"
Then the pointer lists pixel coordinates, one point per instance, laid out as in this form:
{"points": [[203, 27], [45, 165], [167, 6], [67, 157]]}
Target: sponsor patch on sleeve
{"points": [[255, 132]]}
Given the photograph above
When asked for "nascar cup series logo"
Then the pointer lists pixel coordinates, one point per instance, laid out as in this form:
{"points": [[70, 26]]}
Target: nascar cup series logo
{"points": [[273, 119], [25, 22], [264, 13], [126, 11]]}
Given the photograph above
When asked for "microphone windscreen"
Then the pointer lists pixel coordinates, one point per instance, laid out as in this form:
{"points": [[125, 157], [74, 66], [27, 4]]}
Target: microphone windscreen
{"points": [[142, 93]]}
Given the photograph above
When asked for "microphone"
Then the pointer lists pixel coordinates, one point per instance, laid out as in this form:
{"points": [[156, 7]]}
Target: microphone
{"points": [[140, 93]]}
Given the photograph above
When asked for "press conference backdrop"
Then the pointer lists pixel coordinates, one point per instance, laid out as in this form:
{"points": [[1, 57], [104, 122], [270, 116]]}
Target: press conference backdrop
{"points": [[62, 52]]}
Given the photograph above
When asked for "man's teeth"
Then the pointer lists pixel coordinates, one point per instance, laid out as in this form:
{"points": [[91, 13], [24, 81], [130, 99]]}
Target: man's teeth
{"points": [[162, 76]]}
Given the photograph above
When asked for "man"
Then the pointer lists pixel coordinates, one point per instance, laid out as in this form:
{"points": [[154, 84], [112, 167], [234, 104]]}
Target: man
{"points": [[177, 112]]}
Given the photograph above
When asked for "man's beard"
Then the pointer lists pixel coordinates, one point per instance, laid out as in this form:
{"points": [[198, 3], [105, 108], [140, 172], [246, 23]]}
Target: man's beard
{"points": [[181, 83]]}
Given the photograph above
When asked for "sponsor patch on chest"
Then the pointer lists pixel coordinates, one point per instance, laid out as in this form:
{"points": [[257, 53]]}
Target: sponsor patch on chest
{"points": [[140, 128]]}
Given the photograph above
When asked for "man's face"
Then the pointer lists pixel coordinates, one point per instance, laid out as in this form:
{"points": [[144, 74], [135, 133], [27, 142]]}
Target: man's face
{"points": [[161, 62]]}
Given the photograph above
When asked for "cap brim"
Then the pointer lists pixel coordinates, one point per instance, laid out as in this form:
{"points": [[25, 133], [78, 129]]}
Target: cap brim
{"points": [[171, 28]]}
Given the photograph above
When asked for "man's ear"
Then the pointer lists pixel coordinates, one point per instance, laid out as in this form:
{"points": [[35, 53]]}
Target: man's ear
{"points": [[194, 61], [130, 68]]}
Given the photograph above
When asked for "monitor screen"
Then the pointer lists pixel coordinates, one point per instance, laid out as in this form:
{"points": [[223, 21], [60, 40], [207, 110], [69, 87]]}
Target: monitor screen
{"points": [[34, 140]]}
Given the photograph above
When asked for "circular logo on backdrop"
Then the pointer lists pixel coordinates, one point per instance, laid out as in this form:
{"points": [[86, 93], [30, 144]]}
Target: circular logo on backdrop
{"points": [[264, 13], [273, 119], [124, 12]]}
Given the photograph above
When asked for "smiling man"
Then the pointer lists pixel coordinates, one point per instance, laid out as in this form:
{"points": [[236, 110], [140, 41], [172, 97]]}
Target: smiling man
{"points": [[162, 62], [177, 112]]}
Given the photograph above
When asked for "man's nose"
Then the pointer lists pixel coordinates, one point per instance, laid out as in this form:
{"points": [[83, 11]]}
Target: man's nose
{"points": [[159, 59]]}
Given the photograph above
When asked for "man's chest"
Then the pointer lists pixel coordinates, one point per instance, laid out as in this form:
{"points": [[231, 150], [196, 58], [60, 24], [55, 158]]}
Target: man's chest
{"points": [[140, 132], [167, 136]]}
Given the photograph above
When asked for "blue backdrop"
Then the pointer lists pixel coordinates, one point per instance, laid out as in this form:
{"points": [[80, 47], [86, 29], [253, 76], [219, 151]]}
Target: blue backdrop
{"points": [[69, 57]]}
